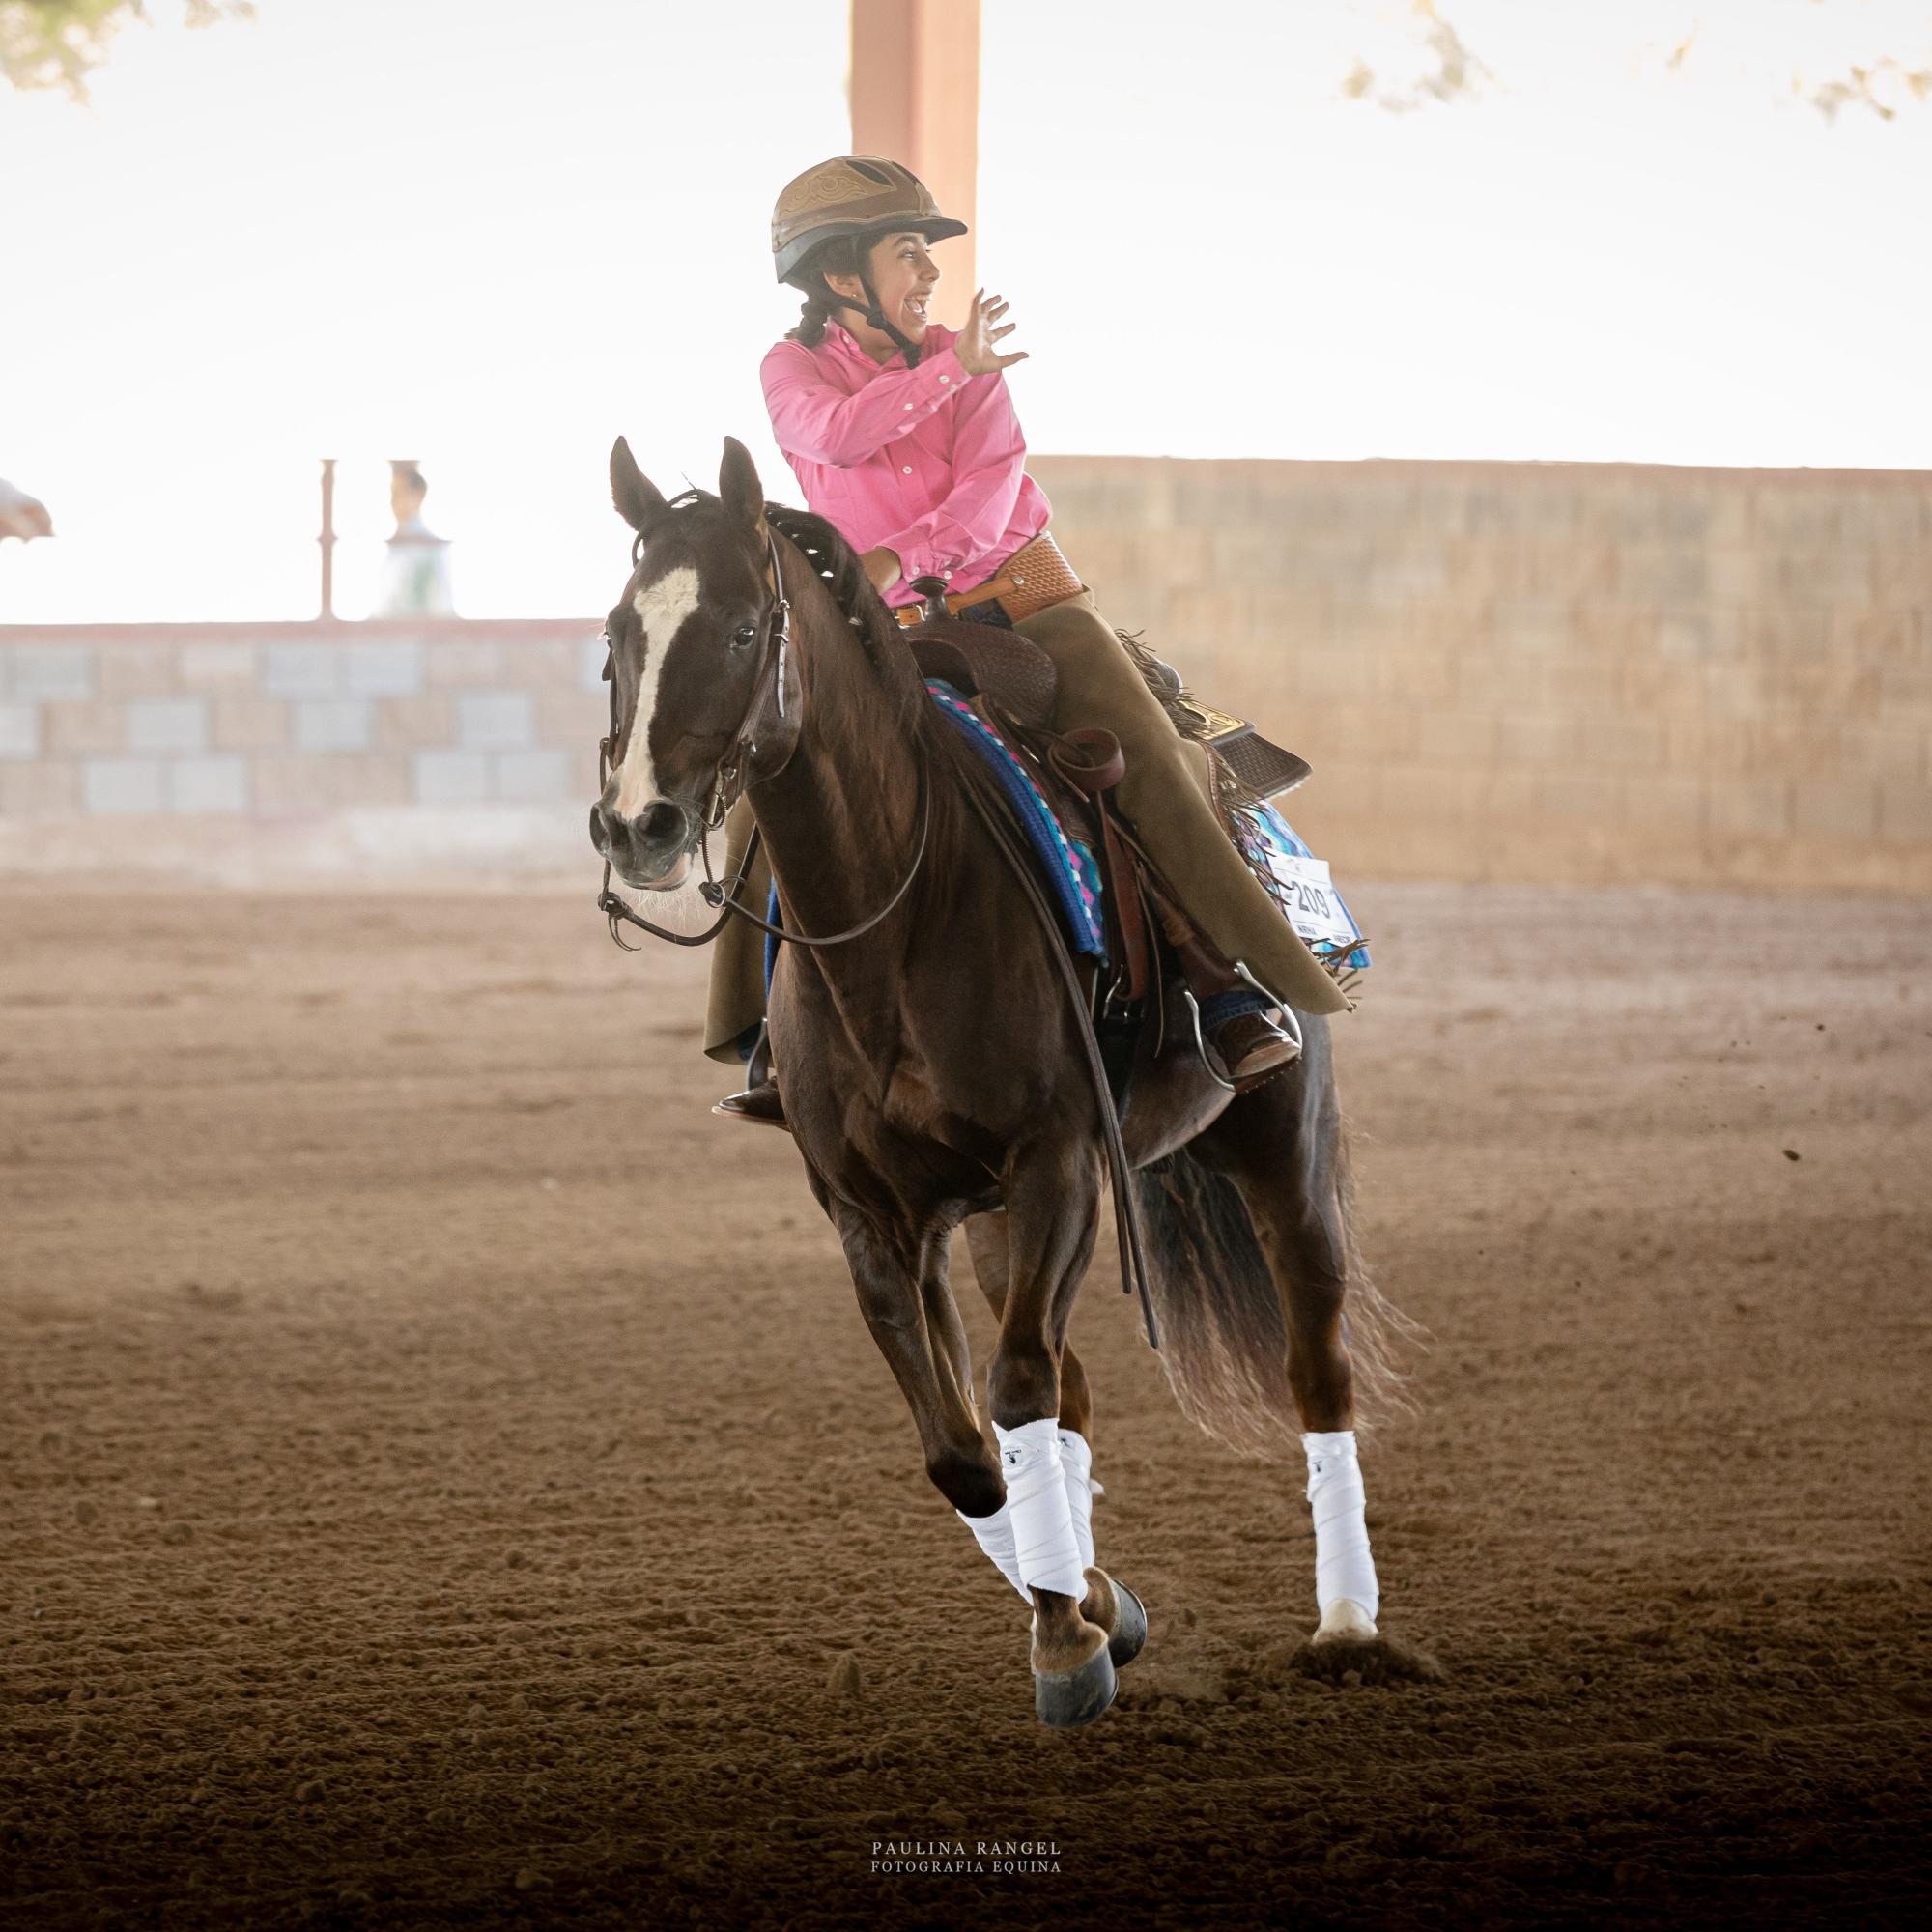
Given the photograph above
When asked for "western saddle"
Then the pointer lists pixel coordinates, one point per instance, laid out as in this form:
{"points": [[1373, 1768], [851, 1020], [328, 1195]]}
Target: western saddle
{"points": [[1011, 683]]}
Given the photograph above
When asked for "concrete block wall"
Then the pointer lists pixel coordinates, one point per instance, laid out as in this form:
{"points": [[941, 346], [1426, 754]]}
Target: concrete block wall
{"points": [[1561, 672], [180, 737]]}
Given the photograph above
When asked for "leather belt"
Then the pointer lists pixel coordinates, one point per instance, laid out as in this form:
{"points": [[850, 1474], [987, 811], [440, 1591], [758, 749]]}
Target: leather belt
{"points": [[1034, 576]]}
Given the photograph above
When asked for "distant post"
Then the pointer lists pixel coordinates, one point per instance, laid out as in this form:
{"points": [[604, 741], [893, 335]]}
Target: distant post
{"points": [[916, 100], [328, 538]]}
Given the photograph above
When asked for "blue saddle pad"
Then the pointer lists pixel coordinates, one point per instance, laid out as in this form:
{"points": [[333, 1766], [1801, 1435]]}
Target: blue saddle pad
{"points": [[1067, 868]]}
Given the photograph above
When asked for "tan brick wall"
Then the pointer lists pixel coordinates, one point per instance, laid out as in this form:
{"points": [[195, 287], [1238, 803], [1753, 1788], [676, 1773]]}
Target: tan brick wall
{"points": [[1567, 672], [1549, 672], [333, 744]]}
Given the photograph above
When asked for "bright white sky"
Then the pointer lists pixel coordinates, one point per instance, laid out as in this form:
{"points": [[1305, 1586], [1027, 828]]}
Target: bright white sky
{"points": [[491, 236]]}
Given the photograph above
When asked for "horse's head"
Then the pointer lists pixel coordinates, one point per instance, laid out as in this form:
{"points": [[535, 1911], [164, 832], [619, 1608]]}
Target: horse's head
{"points": [[704, 698]]}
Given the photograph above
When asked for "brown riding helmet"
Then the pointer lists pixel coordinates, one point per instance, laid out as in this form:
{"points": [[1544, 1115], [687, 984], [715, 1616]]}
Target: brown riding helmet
{"points": [[852, 194]]}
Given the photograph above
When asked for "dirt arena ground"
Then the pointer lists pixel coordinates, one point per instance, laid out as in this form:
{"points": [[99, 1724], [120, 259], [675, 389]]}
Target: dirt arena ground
{"points": [[449, 1483]]}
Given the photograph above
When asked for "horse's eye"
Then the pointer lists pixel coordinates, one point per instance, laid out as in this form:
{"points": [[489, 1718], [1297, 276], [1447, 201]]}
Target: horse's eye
{"points": [[744, 637]]}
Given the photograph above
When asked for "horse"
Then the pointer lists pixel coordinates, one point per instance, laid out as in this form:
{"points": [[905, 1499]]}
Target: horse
{"points": [[933, 1074]]}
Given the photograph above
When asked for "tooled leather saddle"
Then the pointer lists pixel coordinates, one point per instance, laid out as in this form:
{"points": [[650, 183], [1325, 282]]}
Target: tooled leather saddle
{"points": [[1019, 678], [1009, 671]]}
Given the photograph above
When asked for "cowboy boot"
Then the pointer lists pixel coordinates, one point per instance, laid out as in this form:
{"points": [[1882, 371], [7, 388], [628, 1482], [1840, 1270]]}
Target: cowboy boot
{"points": [[760, 1105], [1250, 1047], [760, 1102]]}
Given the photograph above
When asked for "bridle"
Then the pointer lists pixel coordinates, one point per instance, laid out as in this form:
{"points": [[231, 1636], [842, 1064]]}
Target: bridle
{"points": [[729, 784]]}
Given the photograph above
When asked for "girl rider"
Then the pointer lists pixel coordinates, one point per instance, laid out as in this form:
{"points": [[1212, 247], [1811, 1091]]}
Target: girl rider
{"points": [[902, 435]]}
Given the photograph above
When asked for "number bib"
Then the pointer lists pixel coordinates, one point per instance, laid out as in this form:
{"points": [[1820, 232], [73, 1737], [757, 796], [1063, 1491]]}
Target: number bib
{"points": [[1314, 907]]}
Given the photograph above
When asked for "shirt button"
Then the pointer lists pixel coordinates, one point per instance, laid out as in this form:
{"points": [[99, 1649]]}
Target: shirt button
{"points": [[908, 470], [906, 406], [945, 379]]}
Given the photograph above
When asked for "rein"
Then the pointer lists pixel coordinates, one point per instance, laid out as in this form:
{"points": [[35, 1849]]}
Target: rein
{"points": [[725, 791]]}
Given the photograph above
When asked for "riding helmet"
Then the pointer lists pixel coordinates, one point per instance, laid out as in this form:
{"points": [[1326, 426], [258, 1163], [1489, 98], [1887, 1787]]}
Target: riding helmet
{"points": [[851, 194]]}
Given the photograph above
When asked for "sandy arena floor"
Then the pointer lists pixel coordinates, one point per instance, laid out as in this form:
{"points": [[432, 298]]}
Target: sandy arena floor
{"points": [[447, 1475]]}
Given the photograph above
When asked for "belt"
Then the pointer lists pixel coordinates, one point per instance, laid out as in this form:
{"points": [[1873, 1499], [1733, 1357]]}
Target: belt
{"points": [[1033, 576]]}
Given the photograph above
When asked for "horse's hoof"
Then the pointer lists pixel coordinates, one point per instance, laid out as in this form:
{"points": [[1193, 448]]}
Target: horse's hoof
{"points": [[1344, 1621], [1347, 1650], [1067, 1699], [1127, 1635], [1128, 1638]]}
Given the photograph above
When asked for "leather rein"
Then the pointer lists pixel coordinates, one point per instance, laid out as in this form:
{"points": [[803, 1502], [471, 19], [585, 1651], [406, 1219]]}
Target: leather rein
{"points": [[730, 784], [727, 788]]}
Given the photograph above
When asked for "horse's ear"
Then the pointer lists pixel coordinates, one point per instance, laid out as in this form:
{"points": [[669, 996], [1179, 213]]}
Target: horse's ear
{"points": [[738, 485], [639, 500]]}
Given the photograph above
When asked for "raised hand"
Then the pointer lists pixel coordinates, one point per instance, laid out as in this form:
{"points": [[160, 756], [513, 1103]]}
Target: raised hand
{"points": [[974, 348]]}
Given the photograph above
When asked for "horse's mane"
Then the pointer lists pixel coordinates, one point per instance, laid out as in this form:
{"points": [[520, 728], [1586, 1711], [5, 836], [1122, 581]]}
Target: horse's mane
{"points": [[862, 607]]}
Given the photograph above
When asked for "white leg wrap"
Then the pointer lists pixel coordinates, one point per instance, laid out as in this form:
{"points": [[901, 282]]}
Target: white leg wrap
{"points": [[994, 1534], [1343, 1565], [1076, 1465], [1049, 1556]]}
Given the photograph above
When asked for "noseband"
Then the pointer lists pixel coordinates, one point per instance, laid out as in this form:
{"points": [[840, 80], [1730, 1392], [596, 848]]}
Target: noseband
{"points": [[729, 784]]}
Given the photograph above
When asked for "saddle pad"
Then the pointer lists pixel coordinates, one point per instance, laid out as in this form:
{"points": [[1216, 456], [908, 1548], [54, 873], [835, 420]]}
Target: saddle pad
{"points": [[1067, 868], [1072, 875], [1308, 896]]}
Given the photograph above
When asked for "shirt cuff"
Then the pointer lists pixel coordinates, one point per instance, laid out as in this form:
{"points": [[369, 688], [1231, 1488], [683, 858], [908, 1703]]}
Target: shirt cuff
{"points": [[919, 556], [951, 372]]}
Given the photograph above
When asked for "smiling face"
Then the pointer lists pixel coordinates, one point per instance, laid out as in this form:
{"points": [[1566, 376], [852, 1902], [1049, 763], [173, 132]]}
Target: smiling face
{"points": [[903, 275]]}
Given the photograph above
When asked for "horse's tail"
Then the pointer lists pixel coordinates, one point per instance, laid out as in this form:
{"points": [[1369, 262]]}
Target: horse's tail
{"points": [[1224, 1344]]}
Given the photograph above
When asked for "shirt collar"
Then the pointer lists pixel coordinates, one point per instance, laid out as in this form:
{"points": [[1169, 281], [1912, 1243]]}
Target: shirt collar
{"points": [[840, 339], [848, 345]]}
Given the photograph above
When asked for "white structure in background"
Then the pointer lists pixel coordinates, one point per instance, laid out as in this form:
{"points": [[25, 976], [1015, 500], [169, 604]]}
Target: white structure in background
{"points": [[415, 572], [22, 515]]}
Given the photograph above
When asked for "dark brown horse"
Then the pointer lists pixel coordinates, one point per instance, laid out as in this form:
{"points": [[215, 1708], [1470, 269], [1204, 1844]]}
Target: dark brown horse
{"points": [[932, 1066]]}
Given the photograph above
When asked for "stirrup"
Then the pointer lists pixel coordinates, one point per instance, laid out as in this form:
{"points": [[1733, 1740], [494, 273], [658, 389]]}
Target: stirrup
{"points": [[1217, 1069]]}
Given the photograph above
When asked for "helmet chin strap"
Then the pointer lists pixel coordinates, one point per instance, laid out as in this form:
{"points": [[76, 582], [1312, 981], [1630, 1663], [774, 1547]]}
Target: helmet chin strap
{"points": [[876, 316]]}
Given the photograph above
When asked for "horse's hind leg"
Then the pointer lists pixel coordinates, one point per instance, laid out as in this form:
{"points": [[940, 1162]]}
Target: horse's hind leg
{"points": [[1281, 1146], [1107, 1603]]}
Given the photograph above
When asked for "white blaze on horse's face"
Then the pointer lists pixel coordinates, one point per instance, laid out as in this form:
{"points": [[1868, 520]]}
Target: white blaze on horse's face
{"points": [[662, 607]]}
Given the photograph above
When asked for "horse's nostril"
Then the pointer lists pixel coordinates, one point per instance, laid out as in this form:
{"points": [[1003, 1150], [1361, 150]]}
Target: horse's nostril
{"points": [[661, 823]]}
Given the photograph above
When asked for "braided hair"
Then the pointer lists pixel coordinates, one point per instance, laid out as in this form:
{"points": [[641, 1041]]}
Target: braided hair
{"points": [[842, 255]]}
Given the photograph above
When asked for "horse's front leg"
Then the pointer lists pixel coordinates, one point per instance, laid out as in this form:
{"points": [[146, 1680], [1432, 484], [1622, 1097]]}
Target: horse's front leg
{"points": [[925, 1355], [1052, 1197], [1107, 1601]]}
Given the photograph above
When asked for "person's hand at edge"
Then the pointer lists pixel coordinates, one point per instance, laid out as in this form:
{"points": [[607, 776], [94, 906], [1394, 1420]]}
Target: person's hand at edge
{"points": [[882, 567]]}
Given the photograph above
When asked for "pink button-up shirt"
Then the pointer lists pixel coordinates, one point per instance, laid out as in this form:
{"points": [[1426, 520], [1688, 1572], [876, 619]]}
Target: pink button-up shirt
{"points": [[927, 462]]}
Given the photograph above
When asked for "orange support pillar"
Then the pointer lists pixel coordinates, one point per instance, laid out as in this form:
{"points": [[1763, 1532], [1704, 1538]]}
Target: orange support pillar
{"points": [[916, 100]]}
